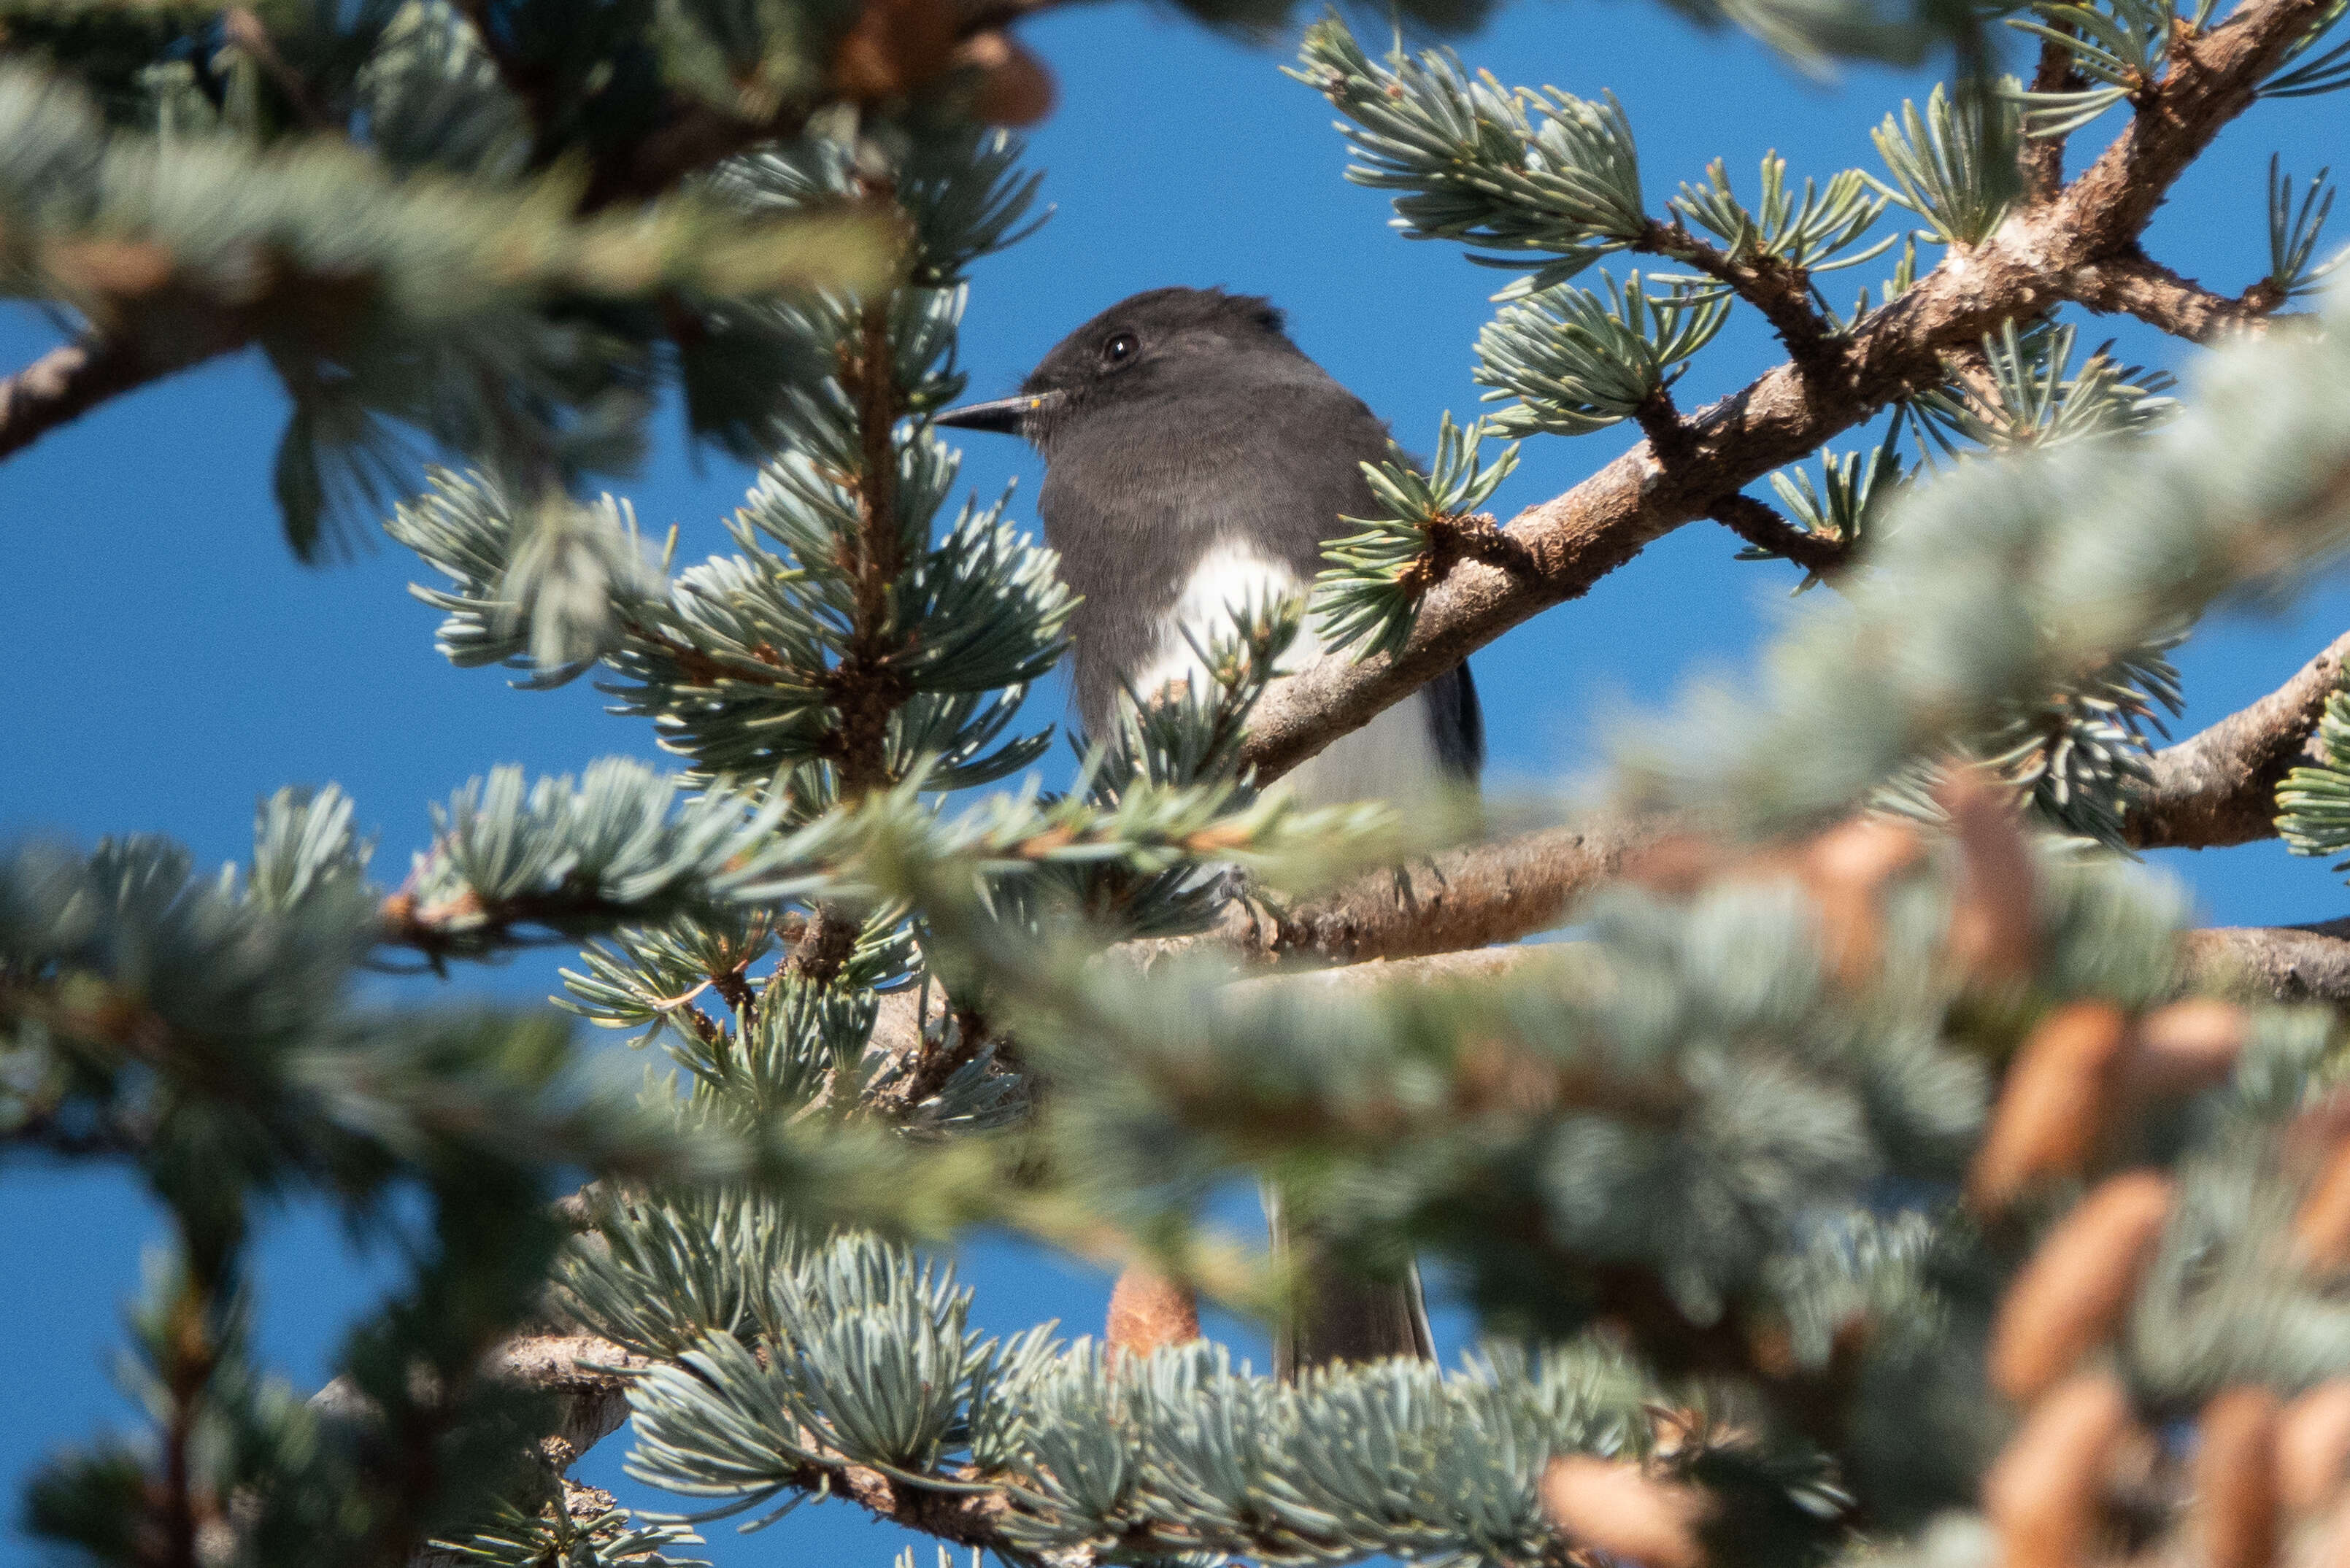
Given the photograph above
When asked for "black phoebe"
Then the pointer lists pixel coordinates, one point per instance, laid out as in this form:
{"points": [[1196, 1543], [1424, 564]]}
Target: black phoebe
{"points": [[1194, 458]]}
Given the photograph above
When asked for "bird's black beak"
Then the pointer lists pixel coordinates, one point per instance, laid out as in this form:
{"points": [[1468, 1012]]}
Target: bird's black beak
{"points": [[1004, 416]]}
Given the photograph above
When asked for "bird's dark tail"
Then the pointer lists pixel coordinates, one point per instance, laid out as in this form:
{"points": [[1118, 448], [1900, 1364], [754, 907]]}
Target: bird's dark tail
{"points": [[1340, 1316]]}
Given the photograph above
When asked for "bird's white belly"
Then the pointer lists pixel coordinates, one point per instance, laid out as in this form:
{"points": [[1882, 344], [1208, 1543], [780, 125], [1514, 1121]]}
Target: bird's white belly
{"points": [[1393, 758]]}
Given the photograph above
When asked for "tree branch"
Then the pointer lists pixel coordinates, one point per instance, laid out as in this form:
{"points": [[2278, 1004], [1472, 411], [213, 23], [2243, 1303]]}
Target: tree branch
{"points": [[2218, 786], [466, 928], [1766, 528], [2040, 159], [2135, 285], [1440, 919], [554, 1363], [1782, 293], [1575, 540], [963, 1517], [1468, 898], [69, 380], [2274, 963], [589, 1377]]}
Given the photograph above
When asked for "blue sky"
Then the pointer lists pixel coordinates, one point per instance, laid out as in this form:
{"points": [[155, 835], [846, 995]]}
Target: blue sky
{"points": [[170, 663]]}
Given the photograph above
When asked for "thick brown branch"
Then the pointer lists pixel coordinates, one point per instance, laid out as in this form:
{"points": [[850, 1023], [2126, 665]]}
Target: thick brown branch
{"points": [[1468, 897], [2136, 285], [1575, 540], [2213, 79], [587, 1375], [826, 944], [1438, 919], [68, 381], [2275, 963], [1766, 528], [2218, 787]]}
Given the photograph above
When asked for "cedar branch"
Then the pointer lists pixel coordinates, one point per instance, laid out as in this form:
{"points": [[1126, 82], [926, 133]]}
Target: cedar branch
{"points": [[1766, 528], [69, 380], [1780, 290], [865, 690], [2040, 159], [1572, 541], [1468, 898], [2136, 284], [2217, 787], [2275, 963]]}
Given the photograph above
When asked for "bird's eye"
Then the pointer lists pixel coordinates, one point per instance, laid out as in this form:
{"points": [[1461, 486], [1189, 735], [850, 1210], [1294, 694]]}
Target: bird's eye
{"points": [[1119, 348]]}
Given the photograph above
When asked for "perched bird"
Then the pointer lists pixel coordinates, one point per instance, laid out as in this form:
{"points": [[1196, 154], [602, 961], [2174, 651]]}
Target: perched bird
{"points": [[1196, 460]]}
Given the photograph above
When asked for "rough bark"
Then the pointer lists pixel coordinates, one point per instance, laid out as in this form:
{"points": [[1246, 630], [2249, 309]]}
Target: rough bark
{"points": [[2134, 285], [1471, 897], [1572, 542], [2275, 963], [2218, 786]]}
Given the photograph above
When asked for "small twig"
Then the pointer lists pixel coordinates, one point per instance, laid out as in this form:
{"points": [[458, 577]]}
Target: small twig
{"points": [[2040, 159], [242, 28], [931, 1069], [466, 928], [1462, 536], [1671, 443], [193, 1356], [1766, 528], [2135, 285], [865, 690], [1780, 290], [705, 1028], [734, 987], [69, 380]]}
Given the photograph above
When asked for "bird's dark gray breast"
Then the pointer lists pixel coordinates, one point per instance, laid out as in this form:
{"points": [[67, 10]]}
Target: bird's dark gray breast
{"points": [[1136, 493], [1139, 492]]}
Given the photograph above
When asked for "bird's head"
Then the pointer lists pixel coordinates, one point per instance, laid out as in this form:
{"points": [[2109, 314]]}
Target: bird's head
{"points": [[1155, 347]]}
